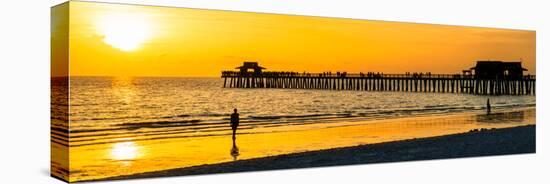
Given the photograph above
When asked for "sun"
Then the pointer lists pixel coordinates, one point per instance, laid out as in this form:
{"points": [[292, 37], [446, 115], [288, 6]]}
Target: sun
{"points": [[126, 32]]}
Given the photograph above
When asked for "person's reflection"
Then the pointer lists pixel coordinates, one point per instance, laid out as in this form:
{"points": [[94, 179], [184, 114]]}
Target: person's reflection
{"points": [[234, 150]]}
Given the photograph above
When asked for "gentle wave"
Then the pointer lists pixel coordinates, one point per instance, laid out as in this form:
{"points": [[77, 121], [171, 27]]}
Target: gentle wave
{"points": [[197, 125]]}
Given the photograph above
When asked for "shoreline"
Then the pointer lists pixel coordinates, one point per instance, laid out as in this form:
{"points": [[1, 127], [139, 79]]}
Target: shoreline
{"points": [[160, 155], [489, 142]]}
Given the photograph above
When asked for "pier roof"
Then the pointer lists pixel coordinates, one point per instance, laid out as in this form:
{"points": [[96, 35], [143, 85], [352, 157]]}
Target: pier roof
{"points": [[250, 65], [499, 64]]}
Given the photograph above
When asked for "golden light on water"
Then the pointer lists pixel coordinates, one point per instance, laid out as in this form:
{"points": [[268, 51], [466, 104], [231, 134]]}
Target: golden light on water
{"points": [[124, 151], [126, 32], [123, 89]]}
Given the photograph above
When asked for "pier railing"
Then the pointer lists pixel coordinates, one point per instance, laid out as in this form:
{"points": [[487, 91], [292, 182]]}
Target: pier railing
{"points": [[358, 75], [374, 81]]}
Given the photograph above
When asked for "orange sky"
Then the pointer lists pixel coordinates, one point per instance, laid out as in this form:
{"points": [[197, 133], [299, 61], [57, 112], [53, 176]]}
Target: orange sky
{"points": [[130, 40]]}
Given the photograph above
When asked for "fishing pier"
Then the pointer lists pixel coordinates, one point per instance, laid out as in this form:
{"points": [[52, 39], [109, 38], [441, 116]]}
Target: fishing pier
{"points": [[486, 78]]}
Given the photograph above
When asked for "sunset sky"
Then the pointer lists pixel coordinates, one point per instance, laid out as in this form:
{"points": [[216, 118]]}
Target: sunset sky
{"points": [[130, 40]]}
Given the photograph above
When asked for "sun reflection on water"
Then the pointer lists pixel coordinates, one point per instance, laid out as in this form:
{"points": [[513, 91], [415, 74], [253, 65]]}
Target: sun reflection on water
{"points": [[124, 151]]}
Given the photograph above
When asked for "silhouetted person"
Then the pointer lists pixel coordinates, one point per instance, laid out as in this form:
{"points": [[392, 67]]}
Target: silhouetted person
{"points": [[488, 106], [234, 122]]}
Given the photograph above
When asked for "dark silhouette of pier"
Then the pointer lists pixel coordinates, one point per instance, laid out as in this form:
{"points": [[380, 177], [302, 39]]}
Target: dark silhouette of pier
{"points": [[467, 82]]}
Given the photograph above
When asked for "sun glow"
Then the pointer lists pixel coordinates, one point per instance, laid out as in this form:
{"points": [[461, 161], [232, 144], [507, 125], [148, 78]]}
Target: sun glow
{"points": [[126, 40], [124, 151], [124, 31]]}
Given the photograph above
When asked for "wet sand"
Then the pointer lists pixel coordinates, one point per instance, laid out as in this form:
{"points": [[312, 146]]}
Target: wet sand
{"points": [[128, 159], [515, 140]]}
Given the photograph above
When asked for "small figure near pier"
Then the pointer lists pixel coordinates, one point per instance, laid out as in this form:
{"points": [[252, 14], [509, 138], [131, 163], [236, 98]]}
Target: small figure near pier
{"points": [[234, 122]]}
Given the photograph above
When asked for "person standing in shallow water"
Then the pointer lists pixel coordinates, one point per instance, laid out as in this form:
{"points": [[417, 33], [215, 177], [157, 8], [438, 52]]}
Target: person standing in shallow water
{"points": [[234, 122]]}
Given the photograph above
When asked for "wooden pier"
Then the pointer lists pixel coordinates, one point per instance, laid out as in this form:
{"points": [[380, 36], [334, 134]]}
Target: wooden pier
{"points": [[417, 82]]}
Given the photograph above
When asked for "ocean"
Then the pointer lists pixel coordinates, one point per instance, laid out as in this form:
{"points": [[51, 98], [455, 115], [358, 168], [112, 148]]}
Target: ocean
{"points": [[115, 109]]}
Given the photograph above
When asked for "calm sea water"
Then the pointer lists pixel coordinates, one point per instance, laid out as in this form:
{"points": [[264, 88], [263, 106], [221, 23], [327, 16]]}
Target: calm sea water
{"points": [[107, 110]]}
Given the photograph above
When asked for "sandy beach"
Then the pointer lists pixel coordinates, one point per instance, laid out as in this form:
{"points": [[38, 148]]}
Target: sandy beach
{"points": [[515, 140], [402, 139]]}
